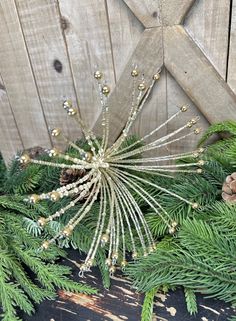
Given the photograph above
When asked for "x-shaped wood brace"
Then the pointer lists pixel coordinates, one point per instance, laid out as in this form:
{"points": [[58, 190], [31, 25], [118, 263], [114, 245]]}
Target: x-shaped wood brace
{"points": [[165, 42]]}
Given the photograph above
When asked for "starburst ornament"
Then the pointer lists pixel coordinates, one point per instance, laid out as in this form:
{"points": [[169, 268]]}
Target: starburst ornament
{"points": [[112, 173]]}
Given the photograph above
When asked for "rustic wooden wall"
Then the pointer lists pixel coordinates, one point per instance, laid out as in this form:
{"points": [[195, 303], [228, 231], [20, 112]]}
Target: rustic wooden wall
{"points": [[50, 48]]}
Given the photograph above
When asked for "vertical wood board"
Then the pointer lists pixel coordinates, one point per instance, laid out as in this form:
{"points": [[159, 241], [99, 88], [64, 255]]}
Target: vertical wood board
{"points": [[10, 140], [41, 26], [208, 23], [86, 30], [232, 50], [19, 81]]}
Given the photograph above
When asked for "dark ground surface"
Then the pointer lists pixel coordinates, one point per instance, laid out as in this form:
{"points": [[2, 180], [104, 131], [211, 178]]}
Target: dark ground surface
{"points": [[122, 303]]}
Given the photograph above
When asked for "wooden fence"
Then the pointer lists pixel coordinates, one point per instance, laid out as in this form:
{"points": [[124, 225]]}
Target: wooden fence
{"points": [[50, 48]]}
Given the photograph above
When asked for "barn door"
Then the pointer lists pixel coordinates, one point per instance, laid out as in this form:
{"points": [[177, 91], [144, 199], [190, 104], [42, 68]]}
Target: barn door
{"points": [[189, 41]]}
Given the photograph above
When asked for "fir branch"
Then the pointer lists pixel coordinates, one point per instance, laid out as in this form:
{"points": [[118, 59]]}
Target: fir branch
{"points": [[147, 309], [191, 301], [223, 127]]}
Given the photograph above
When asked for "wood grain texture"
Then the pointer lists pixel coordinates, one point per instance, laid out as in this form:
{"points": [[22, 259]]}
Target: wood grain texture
{"points": [[88, 39], [190, 67], [151, 61], [232, 50], [147, 11], [125, 30], [153, 114], [41, 24], [19, 81], [176, 97], [174, 11], [207, 23], [10, 140]]}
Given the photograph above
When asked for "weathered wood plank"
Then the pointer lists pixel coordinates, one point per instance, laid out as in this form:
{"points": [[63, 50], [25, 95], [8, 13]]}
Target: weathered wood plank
{"points": [[174, 11], [148, 11], [10, 140], [232, 50], [207, 23], [125, 31], [41, 25], [86, 31], [153, 114], [17, 75], [192, 70], [176, 97], [150, 61]]}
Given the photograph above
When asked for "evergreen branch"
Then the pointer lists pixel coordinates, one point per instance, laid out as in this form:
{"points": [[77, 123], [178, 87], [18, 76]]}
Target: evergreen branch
{"points": [[223, 127], [191, 301], [147, 309]]}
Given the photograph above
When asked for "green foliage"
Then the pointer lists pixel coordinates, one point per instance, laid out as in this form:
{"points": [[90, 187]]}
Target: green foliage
{"points": [[201, 255], [226, 127], [27, 276], [191, 300], [147, 309]]}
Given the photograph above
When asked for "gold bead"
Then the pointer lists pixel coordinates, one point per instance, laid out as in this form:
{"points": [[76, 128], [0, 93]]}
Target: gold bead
{"points": [[195, 205], [115, 256], [134, 255], [54, 196], [34, 198], [55, 132], [156, 76], [189, 124], [97, 74], [134, 73], [45, 245], [171, 230], [174, 224], [145, 254], [67, 104], [71, 111], [104, 238], [112, 269], [184, 108], [195, 155], [105, 90], [124, 263], [83, 267], [201, 162], [141, 86], [108, 262], [88, 156], [194, 121], [53, 152], [67, 231], [199, 170], [89, 263], [154, 245], [197, 131], [42, 221], [150, 249], [25, 159]]}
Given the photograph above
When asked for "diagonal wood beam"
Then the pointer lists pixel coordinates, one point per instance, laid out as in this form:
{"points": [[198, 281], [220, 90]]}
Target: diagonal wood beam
{"points": [[146, 11], [174, 11], [196, 75], [155, 13], [148, 55]]}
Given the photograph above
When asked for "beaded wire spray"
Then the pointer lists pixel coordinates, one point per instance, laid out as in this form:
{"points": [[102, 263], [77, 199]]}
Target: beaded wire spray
{"points": [[107, 177]]}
